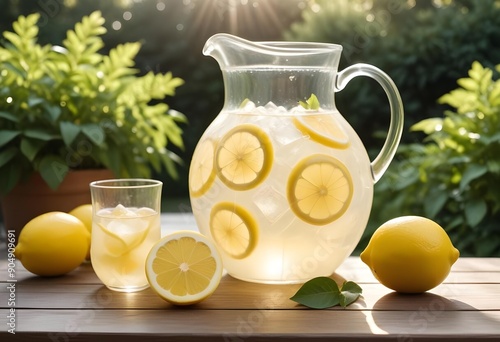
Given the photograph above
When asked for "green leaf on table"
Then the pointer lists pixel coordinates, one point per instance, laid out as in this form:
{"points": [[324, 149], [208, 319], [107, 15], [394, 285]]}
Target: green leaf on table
{"points": [[323, 292], [318, 293], [349, 293]]}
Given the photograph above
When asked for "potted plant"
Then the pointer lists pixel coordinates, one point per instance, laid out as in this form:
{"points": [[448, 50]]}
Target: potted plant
{"points": [[70, 107]]}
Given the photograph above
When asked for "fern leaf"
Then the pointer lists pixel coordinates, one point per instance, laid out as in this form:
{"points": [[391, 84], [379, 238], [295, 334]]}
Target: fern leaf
{"points": [[84, 41]]}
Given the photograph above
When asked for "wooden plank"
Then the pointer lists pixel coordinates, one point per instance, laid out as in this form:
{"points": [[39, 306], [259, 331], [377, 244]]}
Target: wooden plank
{"points": [[236, 294], [252, 325], [352, 269], [81, 275]]}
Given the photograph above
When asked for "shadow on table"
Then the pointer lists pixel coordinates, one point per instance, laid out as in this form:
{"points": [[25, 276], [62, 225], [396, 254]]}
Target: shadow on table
{"points": [[428, 313]]}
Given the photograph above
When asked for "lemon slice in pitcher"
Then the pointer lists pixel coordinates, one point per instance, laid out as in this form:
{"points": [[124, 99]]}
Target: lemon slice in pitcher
{"points": [[244, 157], [202, 172], [319, 189], [323, 129], [184, 268], [234, 229]]}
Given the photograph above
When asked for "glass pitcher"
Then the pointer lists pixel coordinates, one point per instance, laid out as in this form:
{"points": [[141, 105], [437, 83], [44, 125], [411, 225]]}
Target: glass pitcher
{"points": [[279, 180]]}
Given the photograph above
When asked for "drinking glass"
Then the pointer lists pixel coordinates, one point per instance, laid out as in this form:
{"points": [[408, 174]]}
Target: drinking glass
{"points": [[125, 225]]}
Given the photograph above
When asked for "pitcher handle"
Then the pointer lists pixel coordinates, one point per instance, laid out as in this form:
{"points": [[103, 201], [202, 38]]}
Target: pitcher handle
{"points": [[380, 164]]}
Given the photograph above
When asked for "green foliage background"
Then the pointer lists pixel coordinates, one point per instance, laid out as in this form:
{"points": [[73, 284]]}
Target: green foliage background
{"points": [[443, 174], [453, 176], [58, 102], [424, 45]]}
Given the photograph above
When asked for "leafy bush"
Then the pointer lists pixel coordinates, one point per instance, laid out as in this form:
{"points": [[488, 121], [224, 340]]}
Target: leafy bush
{"points": [[71, 107], [423, 47], [453, 176]]}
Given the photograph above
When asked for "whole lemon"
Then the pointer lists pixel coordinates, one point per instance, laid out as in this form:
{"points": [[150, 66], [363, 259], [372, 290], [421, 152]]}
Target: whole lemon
{"points": [[84, 213], [52, 244], [410, 254]]}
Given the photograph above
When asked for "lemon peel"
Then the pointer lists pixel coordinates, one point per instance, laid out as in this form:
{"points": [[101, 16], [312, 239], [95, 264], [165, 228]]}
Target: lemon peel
{"points": [[184, 268], [410, 254]]}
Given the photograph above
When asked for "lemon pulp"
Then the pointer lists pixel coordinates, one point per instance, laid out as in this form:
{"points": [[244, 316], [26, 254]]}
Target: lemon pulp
{"points": [[319, 189], [322, 129], [244, 157], [184, 268], [202, 172], [234, 229]]}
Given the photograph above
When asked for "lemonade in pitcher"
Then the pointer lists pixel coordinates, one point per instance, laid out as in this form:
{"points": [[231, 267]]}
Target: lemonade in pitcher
{"points": [[279, 180], [121, 240]]}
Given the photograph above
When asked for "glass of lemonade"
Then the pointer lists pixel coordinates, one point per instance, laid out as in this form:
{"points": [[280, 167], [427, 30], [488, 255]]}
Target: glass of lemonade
{"points": [[125, 225]]}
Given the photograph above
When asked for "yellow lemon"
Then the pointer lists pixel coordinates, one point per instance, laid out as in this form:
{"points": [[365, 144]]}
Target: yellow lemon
{"points": [[244, 157], [319, 189], [53, 244], [84, 213], [184, 268], [234, 229], [202, 172], [323, 129], [410, 254]]}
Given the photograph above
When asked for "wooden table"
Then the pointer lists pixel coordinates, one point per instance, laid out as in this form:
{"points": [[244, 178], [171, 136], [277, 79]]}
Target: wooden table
{"points": [[76, 307]]}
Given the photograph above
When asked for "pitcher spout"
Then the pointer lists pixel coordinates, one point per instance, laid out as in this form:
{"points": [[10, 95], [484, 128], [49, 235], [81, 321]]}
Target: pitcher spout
{"points": [[233, 52]]}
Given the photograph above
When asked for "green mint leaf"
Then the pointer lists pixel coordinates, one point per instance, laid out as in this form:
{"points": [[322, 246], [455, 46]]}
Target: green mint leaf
{"points": [[318, 293], [304, 104], [311, 103], [349, 293]]}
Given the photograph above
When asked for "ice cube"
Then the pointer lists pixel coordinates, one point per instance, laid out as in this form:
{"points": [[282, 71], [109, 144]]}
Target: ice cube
{"points": [[129, 231], [122, 211], [271, 107], [270, 202], [248, 106], [283, 130], [119, 211], [145, 211]]}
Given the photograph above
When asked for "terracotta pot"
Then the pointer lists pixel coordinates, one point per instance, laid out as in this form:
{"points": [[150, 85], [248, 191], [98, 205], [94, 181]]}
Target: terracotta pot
{"points": [[34, 197]]}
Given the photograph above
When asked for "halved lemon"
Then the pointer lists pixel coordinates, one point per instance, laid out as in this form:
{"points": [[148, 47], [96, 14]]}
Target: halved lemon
{"points": [[202, 172], [319, 189], [244, 157], [234, 229], [184, 268], [323, 129]]}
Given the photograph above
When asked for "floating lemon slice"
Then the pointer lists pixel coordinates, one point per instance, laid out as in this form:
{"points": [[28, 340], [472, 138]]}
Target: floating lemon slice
{"points": [[184, 268], [319, 189], [234, 229], [202, 172], [244, 157], [323, 129], [124, 234]]}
